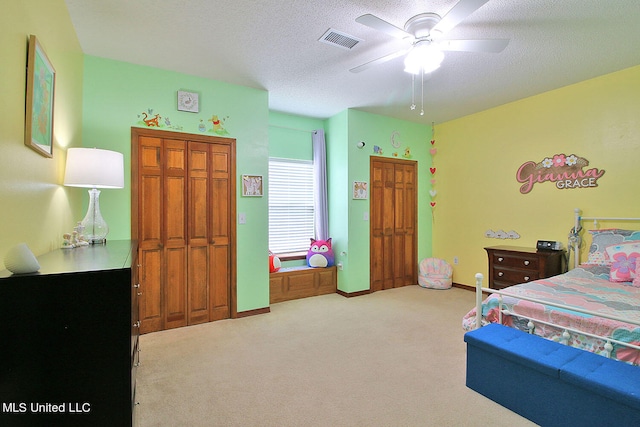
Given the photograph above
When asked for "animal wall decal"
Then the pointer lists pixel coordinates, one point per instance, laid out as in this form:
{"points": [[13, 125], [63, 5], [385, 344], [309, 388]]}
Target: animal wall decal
{"points": [[151, 119]]}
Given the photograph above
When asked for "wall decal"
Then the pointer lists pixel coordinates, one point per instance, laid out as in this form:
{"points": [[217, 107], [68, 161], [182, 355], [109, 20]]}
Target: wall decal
{"points": [[565, 171], [395, 139], [433, 150], [152, 119], [377, 150], [501, 234], [218, 125]]}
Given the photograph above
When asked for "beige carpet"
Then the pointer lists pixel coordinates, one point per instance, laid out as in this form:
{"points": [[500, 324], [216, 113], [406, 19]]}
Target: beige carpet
{"points": [[391, 358]]}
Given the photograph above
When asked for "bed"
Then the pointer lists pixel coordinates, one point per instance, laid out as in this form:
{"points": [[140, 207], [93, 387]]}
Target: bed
{"points": [[595, 306]]}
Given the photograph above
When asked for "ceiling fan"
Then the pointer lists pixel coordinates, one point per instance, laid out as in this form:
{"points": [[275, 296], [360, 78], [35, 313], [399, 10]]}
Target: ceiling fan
{"points": [[425, 32]]}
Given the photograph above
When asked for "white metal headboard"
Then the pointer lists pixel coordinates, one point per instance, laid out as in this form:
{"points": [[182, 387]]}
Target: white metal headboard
{"points": [[574, 238]]}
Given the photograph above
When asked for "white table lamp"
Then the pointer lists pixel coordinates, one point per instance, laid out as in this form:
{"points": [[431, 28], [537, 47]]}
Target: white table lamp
{"points": [[94, 168]]}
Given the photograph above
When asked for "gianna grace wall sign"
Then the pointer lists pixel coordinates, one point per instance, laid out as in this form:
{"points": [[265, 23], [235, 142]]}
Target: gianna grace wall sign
{"points": [[565, 171]]}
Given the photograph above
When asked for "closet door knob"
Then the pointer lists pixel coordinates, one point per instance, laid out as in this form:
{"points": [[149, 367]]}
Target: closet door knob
{"points": [[500, 273], [526, 262], [526, 278], [500, 259]]}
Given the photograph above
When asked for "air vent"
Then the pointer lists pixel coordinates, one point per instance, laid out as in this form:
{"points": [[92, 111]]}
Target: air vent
{"points": [[339, 39]]}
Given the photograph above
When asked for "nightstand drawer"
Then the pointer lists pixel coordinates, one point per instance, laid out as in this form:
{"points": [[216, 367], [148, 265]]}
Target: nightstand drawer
{"points": [[510, 260]]}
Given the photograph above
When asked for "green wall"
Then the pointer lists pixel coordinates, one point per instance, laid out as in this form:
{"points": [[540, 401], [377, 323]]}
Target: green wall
{"points": [[37, 209], [290, 137], [116, 94], [377, 131]]}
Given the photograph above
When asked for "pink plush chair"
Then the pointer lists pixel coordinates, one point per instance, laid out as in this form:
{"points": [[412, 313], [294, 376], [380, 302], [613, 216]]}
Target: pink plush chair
{"points": [[435, 273]]}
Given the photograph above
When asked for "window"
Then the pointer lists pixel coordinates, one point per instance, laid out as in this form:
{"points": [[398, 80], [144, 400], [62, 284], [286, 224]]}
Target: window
{"points": [[291, 209]]}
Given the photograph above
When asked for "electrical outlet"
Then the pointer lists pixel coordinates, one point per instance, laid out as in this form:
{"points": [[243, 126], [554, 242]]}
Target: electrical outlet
{"points": [[455, 260]]}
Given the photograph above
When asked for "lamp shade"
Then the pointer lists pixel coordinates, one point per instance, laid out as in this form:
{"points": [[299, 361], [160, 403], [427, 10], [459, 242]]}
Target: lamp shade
{"points": [[94, 168]]}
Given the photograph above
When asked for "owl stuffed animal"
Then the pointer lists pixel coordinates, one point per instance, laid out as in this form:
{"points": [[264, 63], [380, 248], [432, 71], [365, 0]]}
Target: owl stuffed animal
{"points": [[320, 254]]}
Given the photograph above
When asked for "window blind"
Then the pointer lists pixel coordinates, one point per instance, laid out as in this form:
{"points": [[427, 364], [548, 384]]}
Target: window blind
{"points": [[291, 211]]}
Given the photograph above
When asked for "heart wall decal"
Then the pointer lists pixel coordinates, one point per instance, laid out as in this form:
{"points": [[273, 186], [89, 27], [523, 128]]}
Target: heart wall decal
{"points": [[433, 204], [432, 170], [433, 193], [433, 151]]}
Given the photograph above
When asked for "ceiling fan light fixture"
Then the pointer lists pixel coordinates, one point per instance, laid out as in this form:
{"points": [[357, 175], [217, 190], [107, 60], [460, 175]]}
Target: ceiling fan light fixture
{"points": [[425, 57]]}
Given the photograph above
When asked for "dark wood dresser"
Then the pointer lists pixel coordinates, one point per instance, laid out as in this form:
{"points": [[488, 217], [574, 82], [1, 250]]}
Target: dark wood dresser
{"points": [[511, 265], [69, 337]]}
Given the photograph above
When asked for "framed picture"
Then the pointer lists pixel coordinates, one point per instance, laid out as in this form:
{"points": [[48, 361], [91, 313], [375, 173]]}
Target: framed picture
{"points": [[252, 185], [360, 190], [188, 101], [38, 132]]}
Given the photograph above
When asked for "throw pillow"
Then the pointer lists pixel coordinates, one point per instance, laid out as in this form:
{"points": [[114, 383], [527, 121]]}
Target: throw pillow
{"points": [[623, 258]]}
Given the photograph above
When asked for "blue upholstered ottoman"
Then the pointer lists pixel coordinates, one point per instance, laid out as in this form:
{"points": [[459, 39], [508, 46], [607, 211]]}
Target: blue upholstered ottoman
{"points": [[549, 383]]}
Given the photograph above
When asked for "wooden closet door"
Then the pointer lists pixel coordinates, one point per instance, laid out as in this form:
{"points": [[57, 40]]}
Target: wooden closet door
{"points": [[148, 221], [183, 211], [222, 198], [393, 223], [405, 217], [198, 235], [175, 238]]}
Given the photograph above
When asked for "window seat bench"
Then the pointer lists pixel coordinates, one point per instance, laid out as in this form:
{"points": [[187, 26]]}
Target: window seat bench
{"points": [[300, 282], [549, 383]]}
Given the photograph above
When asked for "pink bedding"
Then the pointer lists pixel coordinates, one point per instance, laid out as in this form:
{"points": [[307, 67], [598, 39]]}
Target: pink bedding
{"points": [[586, 288]]}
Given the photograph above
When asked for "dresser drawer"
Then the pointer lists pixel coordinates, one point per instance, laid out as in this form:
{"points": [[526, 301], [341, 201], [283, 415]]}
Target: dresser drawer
{"points": [[514, 276], [510, 265], [511, 260]]}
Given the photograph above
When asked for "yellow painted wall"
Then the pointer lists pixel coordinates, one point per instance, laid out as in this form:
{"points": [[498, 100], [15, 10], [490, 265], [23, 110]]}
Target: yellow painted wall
{"points": [[479, 155], [36, 208]]}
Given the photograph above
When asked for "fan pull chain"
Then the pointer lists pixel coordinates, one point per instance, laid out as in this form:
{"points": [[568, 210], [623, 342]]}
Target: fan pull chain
{"points": [[422, 106], [413, 92]]}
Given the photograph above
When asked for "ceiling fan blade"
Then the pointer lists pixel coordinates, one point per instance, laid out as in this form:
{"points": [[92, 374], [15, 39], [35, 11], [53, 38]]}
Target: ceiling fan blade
{"points": [[379, 61], [460, 11], [382, 25], [489, 46]]}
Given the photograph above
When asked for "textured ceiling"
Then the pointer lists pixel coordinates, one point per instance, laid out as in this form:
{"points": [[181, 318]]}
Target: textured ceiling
{"points": [[273, 45]]}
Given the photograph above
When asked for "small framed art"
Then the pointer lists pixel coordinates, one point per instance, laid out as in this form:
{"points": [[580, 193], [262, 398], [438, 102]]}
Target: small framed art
{"points": [[360, 190], [38, 132], [188, 101], [252, 185]]}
